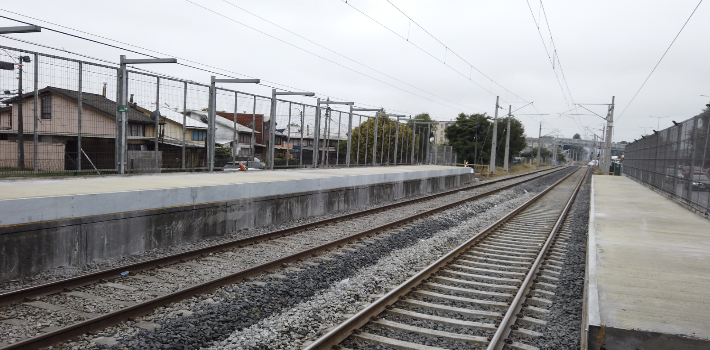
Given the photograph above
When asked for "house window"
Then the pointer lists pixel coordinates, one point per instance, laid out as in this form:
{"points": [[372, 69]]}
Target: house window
{"points": [[198, 135], [244, 138], [136, 129], [47, 107]]}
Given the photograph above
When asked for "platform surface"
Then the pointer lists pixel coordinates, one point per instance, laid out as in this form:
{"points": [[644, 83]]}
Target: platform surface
{"points": [[649, 263], [38, 200]]}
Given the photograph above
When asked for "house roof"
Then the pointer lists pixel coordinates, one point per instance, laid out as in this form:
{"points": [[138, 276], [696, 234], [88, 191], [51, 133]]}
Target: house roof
{"points": [[220, 121], [93, 101], [177, 117]]}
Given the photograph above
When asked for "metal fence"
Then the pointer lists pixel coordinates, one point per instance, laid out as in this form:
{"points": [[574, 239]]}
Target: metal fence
{"points": [[60, 116], [675, 160]]}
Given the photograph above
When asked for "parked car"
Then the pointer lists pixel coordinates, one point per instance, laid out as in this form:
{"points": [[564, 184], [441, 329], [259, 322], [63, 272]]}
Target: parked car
{"points": [[251, 163], [701, 182]]}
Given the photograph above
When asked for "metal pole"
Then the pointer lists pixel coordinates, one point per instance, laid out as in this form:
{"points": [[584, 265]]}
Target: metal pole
{"points": [[35, 164], [492, 167], [326, 136], [20, 124], [414, 137], [428, 143], [350, 137], [382, 154], [253, 130], [300, 156], [79, 102], [157, 119], [288, 137], [609, 135], [374, 140], [210, 127], [507, 141], [235, 141], [389, 140], [337, 151], [367, 137], [396, 141], [359, 135], [539, 144], [184, 121], [123, 115], [272, 129], [316, 134]]}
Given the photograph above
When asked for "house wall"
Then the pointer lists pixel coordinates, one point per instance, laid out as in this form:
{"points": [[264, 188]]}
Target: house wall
{"points": [[244, 119], [64, 119], [50, 155]]}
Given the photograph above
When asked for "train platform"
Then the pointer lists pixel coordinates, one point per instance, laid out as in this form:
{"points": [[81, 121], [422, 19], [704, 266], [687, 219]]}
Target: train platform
{"points": [[648, 271]]}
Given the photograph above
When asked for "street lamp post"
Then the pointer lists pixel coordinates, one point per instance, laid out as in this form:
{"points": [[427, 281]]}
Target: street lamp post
{"points": [[121, 113], [272, 120], [212, 115]]}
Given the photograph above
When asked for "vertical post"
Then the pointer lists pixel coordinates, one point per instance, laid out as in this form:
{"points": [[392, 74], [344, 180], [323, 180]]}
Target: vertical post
{"points": [[157, 120], [300, 154], [337, 150], [184, 121], [367, 136], [123, 96], [326, 136], [79, 102], [35, 164], [492, 167], [253, 130], [396, 141], [374, 140], [382, 154], [272, 129], [235, 140], [20, 124], [554, 151], [316, 134], [389, 140], [210, 127], [414, 137], [428, 143], [350, 137], [359, 135], [609, 135], [288, 137], [539, 144], [507, 141]]}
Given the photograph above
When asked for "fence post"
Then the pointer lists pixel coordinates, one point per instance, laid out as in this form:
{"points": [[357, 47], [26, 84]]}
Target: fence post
{"points": [[367, 137], [300, 157], [79, 103], [337, 150], [414, 137], [359, 135], [374, 140], [253, 128], [184, 121], [35, 165], [288, 137], [157, 122]]}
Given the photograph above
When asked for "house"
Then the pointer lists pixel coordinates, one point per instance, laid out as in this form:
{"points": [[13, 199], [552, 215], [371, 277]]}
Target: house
{"points": [[224, 134], [440, 132]]}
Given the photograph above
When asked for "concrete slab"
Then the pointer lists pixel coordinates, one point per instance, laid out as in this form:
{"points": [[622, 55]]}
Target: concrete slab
{"points": [[79, 197], [648, 270]]}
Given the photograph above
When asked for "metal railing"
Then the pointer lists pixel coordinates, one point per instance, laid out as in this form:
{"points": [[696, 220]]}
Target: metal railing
{"points": [[60, 116], [675, 160]]}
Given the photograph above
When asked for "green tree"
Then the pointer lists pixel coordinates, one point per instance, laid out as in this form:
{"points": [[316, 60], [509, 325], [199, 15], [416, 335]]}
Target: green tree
{"points": [[387, 127], [577, 136], [472, 134]]}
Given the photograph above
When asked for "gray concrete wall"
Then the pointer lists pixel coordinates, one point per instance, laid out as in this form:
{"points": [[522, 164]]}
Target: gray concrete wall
{"points": [[29, 248]]}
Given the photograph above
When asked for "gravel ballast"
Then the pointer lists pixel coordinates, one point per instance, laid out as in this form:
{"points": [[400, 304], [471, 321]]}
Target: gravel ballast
{"points": [[296, 304]]}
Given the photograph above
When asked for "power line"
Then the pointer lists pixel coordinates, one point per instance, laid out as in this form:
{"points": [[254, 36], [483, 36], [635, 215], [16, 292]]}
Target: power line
{"points": [[317, 55], [341, 55], [157, 52], [452, 51], [659, 61], [426, 52]]}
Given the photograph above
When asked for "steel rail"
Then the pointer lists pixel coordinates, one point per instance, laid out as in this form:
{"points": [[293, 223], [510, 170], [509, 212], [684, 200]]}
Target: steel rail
{"points": [[116, 317], [500, 338], [345, 329], [82, 280]]}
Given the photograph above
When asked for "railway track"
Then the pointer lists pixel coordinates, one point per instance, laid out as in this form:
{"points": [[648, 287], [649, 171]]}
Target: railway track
{"points": [[491, 292], [95, 301]]}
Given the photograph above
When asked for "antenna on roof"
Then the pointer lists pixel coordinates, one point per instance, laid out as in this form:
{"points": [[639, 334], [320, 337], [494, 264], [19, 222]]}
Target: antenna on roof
{"points": [[103, 93]]}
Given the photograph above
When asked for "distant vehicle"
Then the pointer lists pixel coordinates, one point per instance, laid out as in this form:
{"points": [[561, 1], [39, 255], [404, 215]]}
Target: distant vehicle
{"points": [[672, 173], [251, 163], [517, 160], [701, 183], [593, 163]]}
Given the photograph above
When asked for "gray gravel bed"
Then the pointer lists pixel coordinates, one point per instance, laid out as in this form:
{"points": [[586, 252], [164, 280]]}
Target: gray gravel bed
{"points": [[245, 307], [72, 271]]}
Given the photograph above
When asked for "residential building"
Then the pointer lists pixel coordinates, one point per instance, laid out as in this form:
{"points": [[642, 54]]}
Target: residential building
{"points": [[440, 133]]}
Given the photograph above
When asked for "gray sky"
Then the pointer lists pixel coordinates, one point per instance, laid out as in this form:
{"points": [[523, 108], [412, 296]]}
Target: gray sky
{"points": [[606, 48]]}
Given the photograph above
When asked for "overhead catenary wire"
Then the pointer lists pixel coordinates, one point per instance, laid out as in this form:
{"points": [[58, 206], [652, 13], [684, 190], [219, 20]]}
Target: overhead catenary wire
{"points": [[659, 61]]}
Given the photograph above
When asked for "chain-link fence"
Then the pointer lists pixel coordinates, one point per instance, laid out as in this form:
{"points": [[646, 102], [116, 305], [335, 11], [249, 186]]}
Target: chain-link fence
{"points": [[62, 116], [675, 160]]}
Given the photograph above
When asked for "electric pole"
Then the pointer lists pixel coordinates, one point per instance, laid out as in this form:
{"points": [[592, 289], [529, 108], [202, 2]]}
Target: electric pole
{"points": [[492, 166], [539, 139], [609, 134], [507, 141]]}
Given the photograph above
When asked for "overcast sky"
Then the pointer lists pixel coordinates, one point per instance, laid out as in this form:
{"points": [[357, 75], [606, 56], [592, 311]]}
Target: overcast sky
{"points": [[605, 48]]}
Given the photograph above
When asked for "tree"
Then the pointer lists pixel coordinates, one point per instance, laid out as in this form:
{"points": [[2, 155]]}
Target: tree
{"points": [[472, 134], [577, 136], [544, 153], [386, 127]]}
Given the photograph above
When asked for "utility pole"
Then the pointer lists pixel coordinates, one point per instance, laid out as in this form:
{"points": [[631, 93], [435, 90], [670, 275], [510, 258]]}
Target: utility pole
{"points": [[492, 167], [507, 140], [609, 135], [554, 151], [20, 124], [539, 139]]}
